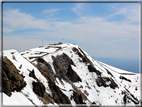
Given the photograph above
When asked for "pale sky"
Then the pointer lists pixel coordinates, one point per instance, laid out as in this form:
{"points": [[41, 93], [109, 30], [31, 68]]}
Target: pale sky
{"points": [[101, 29]]}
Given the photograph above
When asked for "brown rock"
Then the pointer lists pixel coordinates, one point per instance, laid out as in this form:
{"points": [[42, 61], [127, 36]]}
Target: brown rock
{"points": [[11, 79]]}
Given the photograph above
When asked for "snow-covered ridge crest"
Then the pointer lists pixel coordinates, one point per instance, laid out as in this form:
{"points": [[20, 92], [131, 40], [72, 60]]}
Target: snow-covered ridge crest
{"points": [[65, 74]]}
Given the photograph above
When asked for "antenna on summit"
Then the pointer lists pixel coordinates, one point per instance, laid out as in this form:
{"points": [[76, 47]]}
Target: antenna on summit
{"points": [[42, 42]]}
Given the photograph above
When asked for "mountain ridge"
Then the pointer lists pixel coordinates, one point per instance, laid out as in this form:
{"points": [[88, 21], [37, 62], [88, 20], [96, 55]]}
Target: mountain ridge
{"points": [[65, 74]]}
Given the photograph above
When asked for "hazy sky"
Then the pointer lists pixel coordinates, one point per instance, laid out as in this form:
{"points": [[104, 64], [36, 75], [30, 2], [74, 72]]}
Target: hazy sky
{"points": [[101, 29]]}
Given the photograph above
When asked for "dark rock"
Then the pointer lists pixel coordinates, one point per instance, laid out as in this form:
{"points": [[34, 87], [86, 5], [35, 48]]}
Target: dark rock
{"points": [[11, 79], [75, 49], [6, 85], [84, 59], [122, 77], [136, 88], [57, 68], [133, 98], [20, 66], [77, 98], [12, 52], [39, 59], [45, 69], [99, 81], [106, 79], [102, 81], [94, 105], [109, 72], [125, 99], [92, 69], [57, 95], [56, 43], [38, 88], [63, 61], [32, 74], [72, 75], [113, 84], [62, 64], [60, 43]]}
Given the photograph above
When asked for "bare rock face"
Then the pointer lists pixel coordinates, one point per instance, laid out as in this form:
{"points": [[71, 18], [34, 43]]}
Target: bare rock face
{"points": [[11, 79], [45, 69], [92, 69], [62, 64], [77, 98], [72, 75], [102, 81], [39, 88], [57, 95]]}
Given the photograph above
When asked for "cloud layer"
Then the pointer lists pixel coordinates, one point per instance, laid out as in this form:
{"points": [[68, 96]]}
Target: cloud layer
{"points": [[18, 20], [99, 36]]}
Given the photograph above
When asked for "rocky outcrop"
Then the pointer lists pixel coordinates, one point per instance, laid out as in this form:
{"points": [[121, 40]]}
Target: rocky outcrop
{"points": [[45, 69], [77, 98], [39, 88], [73, 77], [32, 74], [11, 78], [92, 69], [62, 64], [102, 81], [124, 78], [57, 95]]}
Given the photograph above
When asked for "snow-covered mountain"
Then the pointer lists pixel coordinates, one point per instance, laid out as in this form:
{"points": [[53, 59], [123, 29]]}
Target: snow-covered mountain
{"points": [[65, 74]]}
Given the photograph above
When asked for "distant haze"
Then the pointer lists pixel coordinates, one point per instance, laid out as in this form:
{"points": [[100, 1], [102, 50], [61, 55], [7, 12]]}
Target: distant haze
{"points": [[131, 65]]}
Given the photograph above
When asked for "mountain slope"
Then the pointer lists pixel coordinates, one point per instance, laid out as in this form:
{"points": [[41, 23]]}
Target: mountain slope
{"points": [[66, 74]]}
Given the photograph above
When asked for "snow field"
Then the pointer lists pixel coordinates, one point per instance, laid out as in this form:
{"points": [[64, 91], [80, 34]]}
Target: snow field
{"points": [[101, 95]]}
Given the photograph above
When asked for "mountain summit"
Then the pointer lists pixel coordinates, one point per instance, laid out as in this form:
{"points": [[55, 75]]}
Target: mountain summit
{"points": [[65, 74]]}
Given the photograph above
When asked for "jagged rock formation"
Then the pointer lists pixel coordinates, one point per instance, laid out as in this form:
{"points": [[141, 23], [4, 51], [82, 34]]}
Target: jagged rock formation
{"points": [[11, 79], [65, 74]]}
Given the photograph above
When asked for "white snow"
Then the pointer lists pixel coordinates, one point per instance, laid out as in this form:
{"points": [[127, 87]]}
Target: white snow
{"points": [[16, 99]]}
